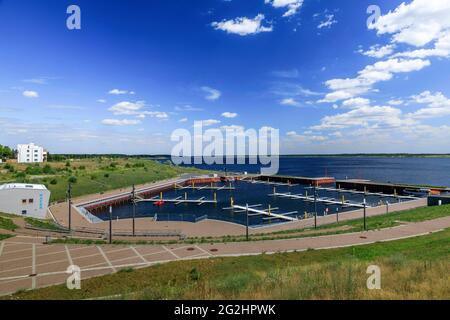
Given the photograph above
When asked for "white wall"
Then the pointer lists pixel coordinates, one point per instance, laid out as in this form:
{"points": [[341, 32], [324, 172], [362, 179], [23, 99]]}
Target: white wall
{"points": [[11, 201]]}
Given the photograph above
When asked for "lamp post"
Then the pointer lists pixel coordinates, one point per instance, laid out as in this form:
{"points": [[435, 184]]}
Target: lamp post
{"points": [[134, 210], [110, 224], [69, 197], [315, 207], [246, 229], [365, 224]]}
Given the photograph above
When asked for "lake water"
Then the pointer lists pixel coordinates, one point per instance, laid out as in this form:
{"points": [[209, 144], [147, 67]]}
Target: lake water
{"points": [[243, 193], [425, 171]]}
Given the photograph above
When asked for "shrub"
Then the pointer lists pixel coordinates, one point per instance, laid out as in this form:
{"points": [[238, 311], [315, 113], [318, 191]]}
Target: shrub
{"points": [[53, 181], [72, 179], [106, 175]]}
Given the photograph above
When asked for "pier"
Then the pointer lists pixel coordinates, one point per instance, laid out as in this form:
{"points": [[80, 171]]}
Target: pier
{"points": [[379, 194], [266, 212], [177, 201], [344, 203], [205, 187]]}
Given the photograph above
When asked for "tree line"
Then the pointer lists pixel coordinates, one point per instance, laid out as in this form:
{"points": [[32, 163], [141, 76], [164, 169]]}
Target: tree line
{"points": [[7, 152]]}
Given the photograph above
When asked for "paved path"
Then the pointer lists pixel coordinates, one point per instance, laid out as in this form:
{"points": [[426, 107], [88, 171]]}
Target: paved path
{"points": [[26, 263]]}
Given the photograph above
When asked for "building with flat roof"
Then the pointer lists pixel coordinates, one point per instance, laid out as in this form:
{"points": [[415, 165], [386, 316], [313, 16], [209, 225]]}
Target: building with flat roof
{"points": [[31, 153], [29, 200]]}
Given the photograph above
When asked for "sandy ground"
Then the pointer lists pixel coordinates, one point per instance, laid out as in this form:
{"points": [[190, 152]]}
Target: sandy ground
{"points": [[27, 263]]}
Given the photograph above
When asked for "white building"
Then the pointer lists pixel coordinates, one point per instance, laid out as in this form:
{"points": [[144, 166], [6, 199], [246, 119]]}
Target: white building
{"points": [[30, 153], [28, 200]]}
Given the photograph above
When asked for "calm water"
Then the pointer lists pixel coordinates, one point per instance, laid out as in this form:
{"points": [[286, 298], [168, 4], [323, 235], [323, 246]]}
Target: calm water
{"points": [[426, 171], [244, 192]]}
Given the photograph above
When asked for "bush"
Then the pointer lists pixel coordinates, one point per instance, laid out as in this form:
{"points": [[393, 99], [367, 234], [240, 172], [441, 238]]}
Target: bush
{"points": [[73, 179], [106, 175], [33, 170], [53, 181], [48, 169], [20, 175]]}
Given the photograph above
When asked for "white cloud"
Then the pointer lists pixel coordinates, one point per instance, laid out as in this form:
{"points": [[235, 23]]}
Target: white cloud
{"points": [[370, 75], [212, 94], [395, 102], [120, 123], [364, 116], [305, 138], [416, 23], [243, 26], [292, 5], [120, 92], [437, 105], [187, 108], [356, 103], [183, 120], [208, 123], [378, 51], [127, 108], [328, 22], [290, 102], [101, 101], [30, 94], [229, 115]]}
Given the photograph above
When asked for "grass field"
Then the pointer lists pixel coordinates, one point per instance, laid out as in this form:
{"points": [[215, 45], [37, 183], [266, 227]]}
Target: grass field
{"points": [[415, 268], [90, 175]]}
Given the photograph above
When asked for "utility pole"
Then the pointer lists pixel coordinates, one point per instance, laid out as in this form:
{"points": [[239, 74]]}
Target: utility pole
{"points": [[246, 229], [69, 197], [365, 224], [315, 207], [134, 209], [110, 224]]}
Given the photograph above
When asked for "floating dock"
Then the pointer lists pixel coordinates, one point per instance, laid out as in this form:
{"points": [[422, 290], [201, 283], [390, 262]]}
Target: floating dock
{"points": [[266, 212], [344, 203], [176, 201], [379, 194]]}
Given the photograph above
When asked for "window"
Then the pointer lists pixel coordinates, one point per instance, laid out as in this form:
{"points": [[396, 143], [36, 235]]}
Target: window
{"points": [[24, 201], [24, 211], [30, 200]]}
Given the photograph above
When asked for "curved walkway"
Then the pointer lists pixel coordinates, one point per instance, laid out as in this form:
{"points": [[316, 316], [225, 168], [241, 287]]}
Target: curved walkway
{"points": [[27, 263]]}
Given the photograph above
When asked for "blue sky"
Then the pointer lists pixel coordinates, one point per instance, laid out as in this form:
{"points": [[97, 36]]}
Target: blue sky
{"points": [[137, 70]]}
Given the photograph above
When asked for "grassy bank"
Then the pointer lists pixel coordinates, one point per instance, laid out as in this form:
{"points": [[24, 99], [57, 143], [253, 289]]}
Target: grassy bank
{"points": [[90, 175], [373, 223], [415, 268], [7, 224]]}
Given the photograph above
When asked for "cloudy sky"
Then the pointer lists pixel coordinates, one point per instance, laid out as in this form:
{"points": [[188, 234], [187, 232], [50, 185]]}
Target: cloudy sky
{"points": [[314, 69]]}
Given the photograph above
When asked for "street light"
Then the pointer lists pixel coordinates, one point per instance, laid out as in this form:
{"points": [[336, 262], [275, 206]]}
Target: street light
{"points": [[110, 224], [134, 209], [315, 207], [246, 229], [365, 225], [69, 197]]}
